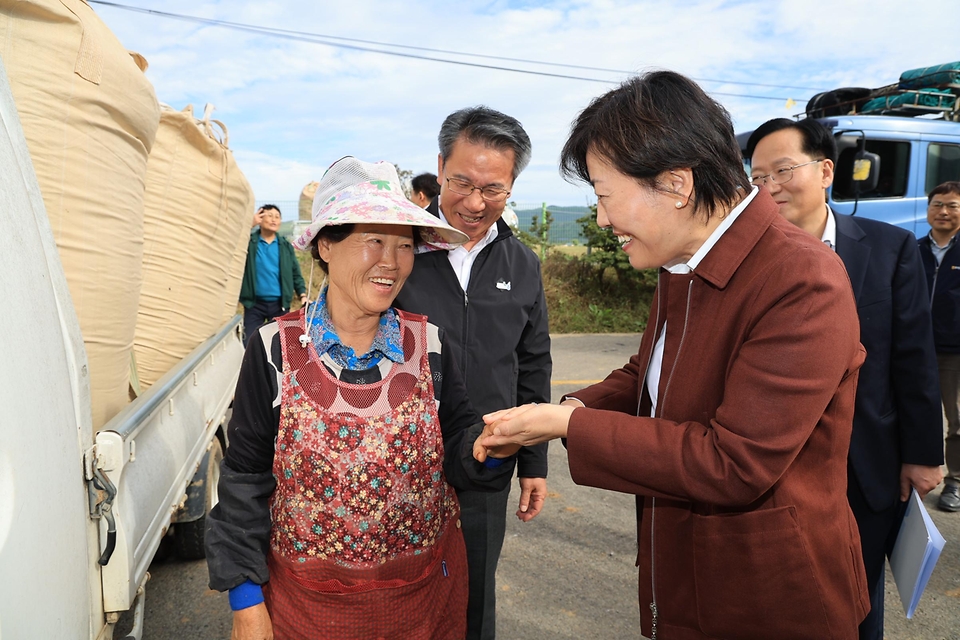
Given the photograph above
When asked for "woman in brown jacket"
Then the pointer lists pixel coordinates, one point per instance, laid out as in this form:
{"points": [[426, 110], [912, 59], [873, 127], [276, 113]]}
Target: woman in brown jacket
{"points": [[732, 423]]}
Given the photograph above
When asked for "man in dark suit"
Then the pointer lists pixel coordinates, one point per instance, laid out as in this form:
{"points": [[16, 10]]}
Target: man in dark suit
{"points": [[897, 440], [423, 189]]}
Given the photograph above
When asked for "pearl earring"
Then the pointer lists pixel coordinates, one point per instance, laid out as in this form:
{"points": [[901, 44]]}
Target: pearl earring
{"points": [[679, 205]]}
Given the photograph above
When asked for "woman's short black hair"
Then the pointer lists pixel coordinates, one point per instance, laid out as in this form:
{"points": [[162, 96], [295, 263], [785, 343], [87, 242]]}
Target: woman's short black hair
{"points": [[656, 122], [338, 233]]}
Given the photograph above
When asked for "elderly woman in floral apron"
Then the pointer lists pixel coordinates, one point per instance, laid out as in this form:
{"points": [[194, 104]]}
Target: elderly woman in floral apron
{"points": [[351, 426]]}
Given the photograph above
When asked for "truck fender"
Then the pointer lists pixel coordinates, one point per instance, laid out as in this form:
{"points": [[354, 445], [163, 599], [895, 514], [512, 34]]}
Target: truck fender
{"points": [[201, 497]]}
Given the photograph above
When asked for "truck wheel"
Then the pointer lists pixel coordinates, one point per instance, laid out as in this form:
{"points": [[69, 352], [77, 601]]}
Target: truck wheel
{"points": [[188, 536]]}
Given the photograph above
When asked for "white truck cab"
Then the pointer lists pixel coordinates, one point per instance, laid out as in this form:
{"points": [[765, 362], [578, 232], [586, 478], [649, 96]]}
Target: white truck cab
{"points": [[82, 513]]}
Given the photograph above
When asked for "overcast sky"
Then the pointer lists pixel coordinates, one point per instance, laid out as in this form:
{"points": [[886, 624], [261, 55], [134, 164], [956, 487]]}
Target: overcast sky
{"points": [[293, 107]]}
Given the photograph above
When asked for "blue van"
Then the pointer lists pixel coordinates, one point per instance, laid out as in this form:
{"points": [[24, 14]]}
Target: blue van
{"points": [[910, 131], [916, 154]]}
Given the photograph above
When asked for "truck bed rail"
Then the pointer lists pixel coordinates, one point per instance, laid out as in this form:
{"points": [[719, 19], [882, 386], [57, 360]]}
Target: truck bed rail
{"points": [[151, 450]]}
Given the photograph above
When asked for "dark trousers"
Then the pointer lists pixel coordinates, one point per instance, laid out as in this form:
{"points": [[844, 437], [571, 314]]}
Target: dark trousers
{"points": [[483, 517], [878, 533], [262, 311], [949, 366]]}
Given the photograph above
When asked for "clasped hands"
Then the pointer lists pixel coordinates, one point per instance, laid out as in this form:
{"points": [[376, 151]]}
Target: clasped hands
{"points": [[507, 430]]}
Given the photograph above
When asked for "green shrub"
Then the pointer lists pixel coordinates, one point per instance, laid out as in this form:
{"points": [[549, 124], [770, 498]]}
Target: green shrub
{"points": [[599, 292], [584, 297]]}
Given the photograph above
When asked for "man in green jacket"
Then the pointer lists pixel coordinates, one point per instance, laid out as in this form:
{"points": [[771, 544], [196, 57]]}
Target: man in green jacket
{"points": [[272, 273]]}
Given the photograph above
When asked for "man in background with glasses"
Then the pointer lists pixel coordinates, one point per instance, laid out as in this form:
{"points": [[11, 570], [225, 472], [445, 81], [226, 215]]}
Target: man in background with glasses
{"points": [[941, 261], [488, 297], [897, 435]]}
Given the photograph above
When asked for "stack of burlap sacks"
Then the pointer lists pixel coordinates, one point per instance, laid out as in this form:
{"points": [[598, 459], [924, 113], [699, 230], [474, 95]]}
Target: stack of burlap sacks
{"points": [[305, 208], [149, 211]]}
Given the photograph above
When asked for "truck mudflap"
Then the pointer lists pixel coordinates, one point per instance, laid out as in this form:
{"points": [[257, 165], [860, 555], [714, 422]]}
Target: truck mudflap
{"points": [[150, 452], [202, 496]]}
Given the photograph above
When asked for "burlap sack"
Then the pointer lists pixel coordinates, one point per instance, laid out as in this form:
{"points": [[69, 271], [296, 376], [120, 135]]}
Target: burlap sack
{"points": [[89, 116], [197, 204], [238, 263], [306, 201]]}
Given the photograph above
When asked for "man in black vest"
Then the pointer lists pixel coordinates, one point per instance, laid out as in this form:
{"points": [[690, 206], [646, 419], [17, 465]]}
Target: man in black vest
{"points": [[897, 440]]}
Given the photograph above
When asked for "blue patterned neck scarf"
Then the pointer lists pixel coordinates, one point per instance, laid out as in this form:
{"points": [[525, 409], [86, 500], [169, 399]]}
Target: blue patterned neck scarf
{"points": [[386, 344]]}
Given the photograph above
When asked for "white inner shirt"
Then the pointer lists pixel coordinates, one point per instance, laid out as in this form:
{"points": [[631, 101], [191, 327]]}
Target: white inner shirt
{"points": [[462, 259], [829, 237], [656, 360]]}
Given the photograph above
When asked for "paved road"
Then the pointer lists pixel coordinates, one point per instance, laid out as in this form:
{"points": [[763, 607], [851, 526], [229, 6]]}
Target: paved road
{"points": [[570, 572]]}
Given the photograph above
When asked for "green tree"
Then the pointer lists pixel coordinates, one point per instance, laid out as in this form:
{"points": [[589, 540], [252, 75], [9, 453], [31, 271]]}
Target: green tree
{"points": [[604, 253], [405, 176], [537, 235]]}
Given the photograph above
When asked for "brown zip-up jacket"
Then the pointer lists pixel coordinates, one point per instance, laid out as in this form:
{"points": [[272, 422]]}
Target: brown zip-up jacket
{"points": [[743, 522]]}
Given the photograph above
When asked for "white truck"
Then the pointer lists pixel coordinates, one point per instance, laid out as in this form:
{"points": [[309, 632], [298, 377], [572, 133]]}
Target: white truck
{"points": [[82, 513]]}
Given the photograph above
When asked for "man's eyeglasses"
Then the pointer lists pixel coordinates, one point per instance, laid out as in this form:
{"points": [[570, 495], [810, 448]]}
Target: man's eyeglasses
{"points": [[464, 188], [952, 207], [782, 175]]}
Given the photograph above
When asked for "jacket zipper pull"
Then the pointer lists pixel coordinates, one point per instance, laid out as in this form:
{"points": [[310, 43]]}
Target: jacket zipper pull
{"points": [[933, 289], [653, 630]]}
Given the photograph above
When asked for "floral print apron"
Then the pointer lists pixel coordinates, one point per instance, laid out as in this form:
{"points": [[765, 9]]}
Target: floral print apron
{"points": [[365, 540]]}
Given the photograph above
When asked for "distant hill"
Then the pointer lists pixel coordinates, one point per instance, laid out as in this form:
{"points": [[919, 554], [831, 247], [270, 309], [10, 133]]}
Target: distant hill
{"points": [[564, 229]]}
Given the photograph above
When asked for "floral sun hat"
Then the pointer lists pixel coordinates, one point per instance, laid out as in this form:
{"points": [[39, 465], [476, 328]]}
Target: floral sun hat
{"points": [[354, 191]]}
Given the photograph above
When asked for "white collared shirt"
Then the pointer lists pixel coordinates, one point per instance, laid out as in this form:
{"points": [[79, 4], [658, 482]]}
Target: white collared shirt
{"points": [[462, 259], [937, 250], [830, 231], [656, 360]]}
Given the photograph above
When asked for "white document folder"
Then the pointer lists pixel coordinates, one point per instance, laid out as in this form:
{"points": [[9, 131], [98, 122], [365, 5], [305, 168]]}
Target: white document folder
{"points": [[915, 554]]}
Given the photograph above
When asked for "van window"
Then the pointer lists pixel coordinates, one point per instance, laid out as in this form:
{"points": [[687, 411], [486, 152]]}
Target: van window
{"points": [[943, 164], [894, 165]]}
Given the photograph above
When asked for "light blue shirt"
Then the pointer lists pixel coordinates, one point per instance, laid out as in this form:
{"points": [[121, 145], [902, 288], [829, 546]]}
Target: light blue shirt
{"points": [[938, 251], [267, 284], [386, 344]]}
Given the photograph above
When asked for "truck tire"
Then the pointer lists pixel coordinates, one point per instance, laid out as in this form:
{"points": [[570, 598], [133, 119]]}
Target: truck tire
{"points": [[188, 536]]}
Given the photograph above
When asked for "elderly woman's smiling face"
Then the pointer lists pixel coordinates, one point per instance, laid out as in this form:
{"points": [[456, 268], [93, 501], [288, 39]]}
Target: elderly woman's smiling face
{"points": [[367, 268]]}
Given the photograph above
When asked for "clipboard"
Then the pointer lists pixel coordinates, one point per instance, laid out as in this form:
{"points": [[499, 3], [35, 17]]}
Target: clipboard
{"points": [[915, 553]]}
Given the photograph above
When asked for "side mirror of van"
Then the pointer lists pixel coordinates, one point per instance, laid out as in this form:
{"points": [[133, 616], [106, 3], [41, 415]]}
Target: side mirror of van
{"points": [[866, 171]]}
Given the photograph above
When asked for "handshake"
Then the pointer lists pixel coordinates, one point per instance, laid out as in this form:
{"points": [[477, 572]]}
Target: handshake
{"points": [[506, 431]]}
